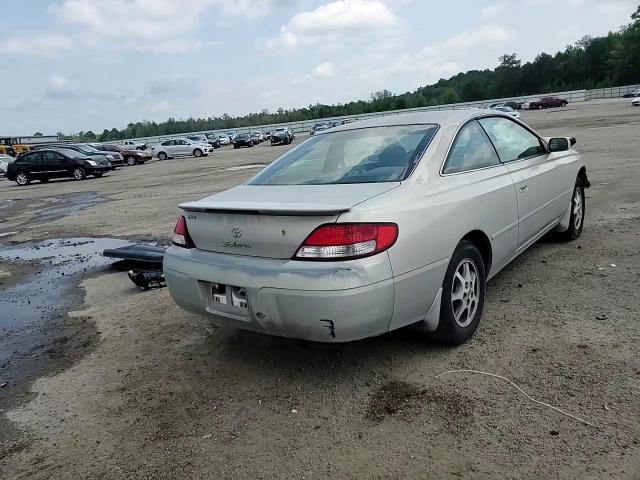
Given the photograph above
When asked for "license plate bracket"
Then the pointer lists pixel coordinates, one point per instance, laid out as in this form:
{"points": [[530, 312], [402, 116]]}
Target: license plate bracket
{"points": [[229, 296]]}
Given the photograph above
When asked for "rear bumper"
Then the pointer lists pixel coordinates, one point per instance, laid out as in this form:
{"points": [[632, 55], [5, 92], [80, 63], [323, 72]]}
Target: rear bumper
{"points": [[327, 302]]}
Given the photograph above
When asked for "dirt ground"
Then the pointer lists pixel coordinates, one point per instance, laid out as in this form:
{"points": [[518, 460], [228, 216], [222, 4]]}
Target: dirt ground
{"points": [[161, 393]]}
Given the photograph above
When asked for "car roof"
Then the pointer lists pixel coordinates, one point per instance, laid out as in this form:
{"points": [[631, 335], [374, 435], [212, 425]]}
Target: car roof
{"points": [[444, 118]]}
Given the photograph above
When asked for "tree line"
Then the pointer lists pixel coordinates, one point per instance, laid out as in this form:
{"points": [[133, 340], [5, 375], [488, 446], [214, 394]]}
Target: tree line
{"points": [[592, 62]]}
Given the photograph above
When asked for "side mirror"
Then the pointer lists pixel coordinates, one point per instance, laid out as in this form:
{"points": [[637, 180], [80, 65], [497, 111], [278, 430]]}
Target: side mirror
{"points": [[558, 145]]}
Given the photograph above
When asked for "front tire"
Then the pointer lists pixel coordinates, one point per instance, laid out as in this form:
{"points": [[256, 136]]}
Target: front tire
{"points": [[576, 220], [79, 173], [131, 161], [463, 293], [23, 178], [197, 153]]}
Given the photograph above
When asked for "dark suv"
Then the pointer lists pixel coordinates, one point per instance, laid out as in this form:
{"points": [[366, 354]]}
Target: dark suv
{"points": [[45, 164]]}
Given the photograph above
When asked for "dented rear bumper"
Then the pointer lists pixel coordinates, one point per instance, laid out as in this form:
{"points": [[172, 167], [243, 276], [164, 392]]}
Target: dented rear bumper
{"points": [[319, 301]]}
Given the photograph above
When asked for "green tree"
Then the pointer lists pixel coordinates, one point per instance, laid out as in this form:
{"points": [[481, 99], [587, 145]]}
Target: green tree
{"points": [[449, 96]]}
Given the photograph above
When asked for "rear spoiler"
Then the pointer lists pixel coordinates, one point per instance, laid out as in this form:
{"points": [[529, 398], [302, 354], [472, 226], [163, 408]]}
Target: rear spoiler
{"points": [[275, 209]]}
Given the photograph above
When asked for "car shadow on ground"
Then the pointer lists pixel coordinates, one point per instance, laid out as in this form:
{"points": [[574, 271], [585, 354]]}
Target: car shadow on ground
{"points": [[284, 356]]}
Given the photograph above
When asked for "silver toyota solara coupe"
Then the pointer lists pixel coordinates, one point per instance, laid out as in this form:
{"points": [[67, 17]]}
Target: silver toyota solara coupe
{"points": [[376, 225]]}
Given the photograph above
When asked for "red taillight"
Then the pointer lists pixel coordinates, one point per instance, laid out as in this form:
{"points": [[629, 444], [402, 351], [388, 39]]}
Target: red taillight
{"points": [[181, 236], [345, 241]]}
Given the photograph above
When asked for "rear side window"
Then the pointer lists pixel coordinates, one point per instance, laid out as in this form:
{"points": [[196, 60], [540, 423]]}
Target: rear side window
{"points": [[512, 141], [471, 150], [365, 155], [31, 158]]}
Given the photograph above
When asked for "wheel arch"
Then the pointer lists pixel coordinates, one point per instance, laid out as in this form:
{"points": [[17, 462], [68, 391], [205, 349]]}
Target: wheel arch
{"points": [[483, 244], [582, 175]]}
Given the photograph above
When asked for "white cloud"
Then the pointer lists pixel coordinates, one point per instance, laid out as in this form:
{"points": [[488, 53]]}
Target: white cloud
{"points": [[433, 61], [324, 70], [57, 81], [150, 19], [175, 85], [474, 38], [50, 45], [335, 19], [492, 11]]}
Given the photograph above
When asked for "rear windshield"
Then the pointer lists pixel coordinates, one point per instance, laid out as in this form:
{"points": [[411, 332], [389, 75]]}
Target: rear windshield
{"points": [[366, 155]]}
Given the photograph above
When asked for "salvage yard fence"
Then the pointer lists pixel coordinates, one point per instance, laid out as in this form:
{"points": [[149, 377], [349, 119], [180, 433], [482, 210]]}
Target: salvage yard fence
{"points": [[572, 96]]}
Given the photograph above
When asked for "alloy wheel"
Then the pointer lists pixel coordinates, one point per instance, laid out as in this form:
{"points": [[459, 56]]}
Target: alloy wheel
{"points": [[22, 179], [465, 291], [577, 208]]}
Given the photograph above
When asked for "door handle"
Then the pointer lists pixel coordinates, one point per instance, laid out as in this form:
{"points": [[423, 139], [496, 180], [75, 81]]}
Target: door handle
{"points": [[524, 188]]}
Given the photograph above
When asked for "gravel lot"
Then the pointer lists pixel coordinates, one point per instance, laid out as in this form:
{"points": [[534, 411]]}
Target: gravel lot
{"points": [[140, 389]]}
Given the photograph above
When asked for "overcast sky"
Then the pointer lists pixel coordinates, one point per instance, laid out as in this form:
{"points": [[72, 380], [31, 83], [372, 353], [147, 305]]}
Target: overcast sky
{"points": [[73, 65]]}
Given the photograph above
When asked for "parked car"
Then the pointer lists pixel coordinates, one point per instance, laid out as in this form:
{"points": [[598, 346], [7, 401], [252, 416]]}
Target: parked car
{"points": [[514, 105], [5, 160], [548, 102], [133, 145], [282, 135], [244, 140], [231, 134], [61, 162], [213, 140], [115, 158], [508, 111], [200, 139], [131, 157], [373, 226], [224, 139], [636, 102], [318, 127], [633, 94], [180, 146], [257, 134]]}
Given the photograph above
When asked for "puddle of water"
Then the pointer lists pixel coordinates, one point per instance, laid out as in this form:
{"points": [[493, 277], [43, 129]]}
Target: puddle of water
{"points": [[48, 291], [246, 167]]}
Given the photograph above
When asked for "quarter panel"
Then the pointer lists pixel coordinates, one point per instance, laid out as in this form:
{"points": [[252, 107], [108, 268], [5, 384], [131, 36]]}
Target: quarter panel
{"points": [[432, 217]]}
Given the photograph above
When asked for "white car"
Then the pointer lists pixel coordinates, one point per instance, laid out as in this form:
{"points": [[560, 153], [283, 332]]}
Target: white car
{"points": [[180, 146], [508, 111], [198, 138], [372, 226], [5, 160], [131, 145], [636, 102]]}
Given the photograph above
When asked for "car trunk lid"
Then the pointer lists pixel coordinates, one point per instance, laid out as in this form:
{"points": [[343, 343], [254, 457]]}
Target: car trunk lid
{"points": [[270, 220]]}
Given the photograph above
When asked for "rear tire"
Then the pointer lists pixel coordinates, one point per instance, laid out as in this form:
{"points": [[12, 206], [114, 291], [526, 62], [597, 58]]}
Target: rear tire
{"points": [[23, 178], [576, 221], [463, 293], [79, 173]]}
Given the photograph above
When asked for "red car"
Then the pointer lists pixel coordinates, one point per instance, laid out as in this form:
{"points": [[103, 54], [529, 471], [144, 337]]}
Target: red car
{"points": [[131, 157], [548, 102]]}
